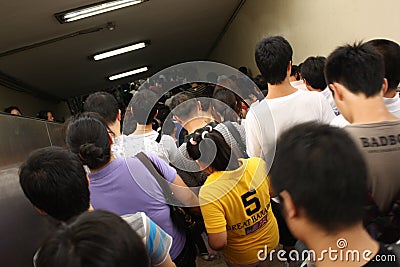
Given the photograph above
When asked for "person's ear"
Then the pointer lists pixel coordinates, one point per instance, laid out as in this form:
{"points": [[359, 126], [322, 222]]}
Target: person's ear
{"points": [[337, 90], [119, 116], [41, 212], [110, 139], [199, 108], [178, 120], [384, 86], [289, 208], [289, 67]]}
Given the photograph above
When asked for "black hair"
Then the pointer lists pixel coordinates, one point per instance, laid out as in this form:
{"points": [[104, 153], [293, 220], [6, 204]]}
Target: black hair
{"points": [[313, 71], [226, 103], [390, 52], [324, 172], [98, 238], [273, 55], [88, 137], [54, 180], [11, 108], [212, 149], [103, 103], [261, 83], [357, 67], [144, 106], [43, 114], [183, 105]]}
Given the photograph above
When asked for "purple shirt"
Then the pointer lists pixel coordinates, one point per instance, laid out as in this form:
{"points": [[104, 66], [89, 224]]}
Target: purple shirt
{"points": [[125, 186]]}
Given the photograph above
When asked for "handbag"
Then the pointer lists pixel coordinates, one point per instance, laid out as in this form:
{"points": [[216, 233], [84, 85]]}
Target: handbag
{"points": [[180, 216]]}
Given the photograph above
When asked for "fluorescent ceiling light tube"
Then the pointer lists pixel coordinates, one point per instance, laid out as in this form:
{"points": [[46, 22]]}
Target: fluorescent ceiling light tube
{"points": [[95, 9], [128, 73], [119, 51]]}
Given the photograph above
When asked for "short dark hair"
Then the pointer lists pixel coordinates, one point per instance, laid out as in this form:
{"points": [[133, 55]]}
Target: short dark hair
{"points": [[144, 106], [88, 137], [212, 149], [42, 114], [54, 180], [324, 172], [358, 67], [183, 105], [11, 108], [97, 238], [390, 52], [313, 71], [103, 103], [273, 55], [226, 103]]}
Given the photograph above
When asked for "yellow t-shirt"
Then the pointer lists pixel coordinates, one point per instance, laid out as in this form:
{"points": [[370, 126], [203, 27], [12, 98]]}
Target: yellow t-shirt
{"points": [[238, 202]]}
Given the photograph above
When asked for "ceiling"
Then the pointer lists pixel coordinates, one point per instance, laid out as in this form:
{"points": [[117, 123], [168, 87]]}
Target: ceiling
{"points": [[178, 31]]}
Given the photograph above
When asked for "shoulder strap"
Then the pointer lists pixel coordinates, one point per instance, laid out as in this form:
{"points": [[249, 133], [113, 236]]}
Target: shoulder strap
{"points": [[157, 175], [236, 135], [159, 137]]}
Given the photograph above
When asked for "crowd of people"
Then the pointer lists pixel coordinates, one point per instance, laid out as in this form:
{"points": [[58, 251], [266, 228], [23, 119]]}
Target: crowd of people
{"points": [[307, 162]]}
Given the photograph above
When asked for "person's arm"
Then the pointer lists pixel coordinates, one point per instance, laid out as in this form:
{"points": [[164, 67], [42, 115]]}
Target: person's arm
{"points": [[178, 187], [218, 241], [158, 243], [214, 219], [184, 194], [253, 146]]}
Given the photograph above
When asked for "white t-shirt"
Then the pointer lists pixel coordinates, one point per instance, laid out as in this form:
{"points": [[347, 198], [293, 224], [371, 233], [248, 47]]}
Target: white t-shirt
{"points": [[392, 104], [166, 149], [267, 120]]}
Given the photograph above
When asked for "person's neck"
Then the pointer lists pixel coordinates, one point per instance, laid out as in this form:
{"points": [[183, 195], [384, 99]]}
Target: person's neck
{"points": [[115, 128], [280, 90], [368, 110], [353, 238], [142, 129], [390, 93], [192, 125], [105, 165]]}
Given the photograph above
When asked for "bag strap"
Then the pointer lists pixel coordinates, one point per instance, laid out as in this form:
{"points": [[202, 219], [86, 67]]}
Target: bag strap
{"points": [[157, 174], [236, 135]]}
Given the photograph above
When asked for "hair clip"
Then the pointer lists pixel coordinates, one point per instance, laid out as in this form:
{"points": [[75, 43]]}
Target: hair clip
{"points": [[192, 141], [203, 134]]}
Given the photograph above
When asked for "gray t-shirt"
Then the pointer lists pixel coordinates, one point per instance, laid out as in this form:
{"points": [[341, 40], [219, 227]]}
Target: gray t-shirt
{"points": [[380, 145]]}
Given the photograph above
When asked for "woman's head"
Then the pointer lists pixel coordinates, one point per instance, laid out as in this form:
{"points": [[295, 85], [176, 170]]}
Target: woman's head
{"points": [[209, 147], [226, 105], [88, 137]]}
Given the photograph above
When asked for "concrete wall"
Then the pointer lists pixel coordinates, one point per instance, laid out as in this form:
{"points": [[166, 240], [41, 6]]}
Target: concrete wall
{"points": [[30, 105], [313, 27]]}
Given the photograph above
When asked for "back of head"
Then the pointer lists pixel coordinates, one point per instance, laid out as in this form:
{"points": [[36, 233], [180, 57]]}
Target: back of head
{"points": [[273, 54], [357, 67], [209, 147], [324, 173], [88, 137], [98, 238], [390, 52], [184, 105], [226, 104], [13, 110], [42, 114], [54, 180], [103, 103], [144, 106], [312, 70]]}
